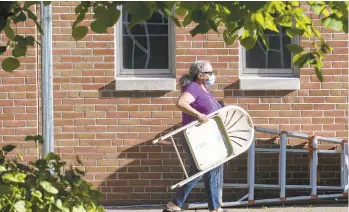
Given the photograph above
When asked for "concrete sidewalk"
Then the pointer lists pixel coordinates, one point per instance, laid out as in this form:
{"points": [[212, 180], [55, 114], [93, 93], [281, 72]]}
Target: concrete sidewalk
{"points": [[337, 207]]}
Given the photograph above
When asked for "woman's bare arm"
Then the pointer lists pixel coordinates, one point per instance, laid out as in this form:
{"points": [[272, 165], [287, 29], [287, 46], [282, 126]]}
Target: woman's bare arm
{"points": [[183, 104]]}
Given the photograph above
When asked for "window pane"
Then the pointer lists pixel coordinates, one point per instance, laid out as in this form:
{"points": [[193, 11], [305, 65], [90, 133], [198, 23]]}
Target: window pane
{"points": [[278, 55], [145, 46]]}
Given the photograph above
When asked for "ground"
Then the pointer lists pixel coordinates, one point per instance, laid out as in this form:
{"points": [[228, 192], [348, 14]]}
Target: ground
{"points": [[336, 207]]}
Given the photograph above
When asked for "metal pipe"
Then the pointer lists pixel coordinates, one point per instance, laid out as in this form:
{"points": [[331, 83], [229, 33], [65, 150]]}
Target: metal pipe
{"points": [[272, 186], [297, 135], [179, 157], [271, 150], [282, 166], [344, 167], [330, 140], [276, 200], [251, 171], [47, 78], [313, 165], [266, 130]]}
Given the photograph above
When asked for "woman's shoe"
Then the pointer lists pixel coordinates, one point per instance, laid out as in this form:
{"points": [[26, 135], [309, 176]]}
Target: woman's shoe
{"points": [[171, 207], [220, 210]]}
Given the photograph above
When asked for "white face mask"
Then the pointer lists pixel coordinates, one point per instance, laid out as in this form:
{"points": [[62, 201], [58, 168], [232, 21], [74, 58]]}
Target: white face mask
{"points": [[211, 80]]}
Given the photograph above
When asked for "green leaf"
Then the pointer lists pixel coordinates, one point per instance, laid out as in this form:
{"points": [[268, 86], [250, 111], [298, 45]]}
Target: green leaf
{"points": [[169, 4], [248, 42], [316, 32], [294, 48], [9, 32], [317, 8], [295, 3], [169, 14], [4, 189], [236, 13], [16, 177], [20, 157], [254, 5], [79, 32], [27, 4], [113, 15], [47, 186], [345, 26], [37, 194], [21, 17], [98, 27], [29, 40], [213, 25], [46, 3], [259, 18], [284, 20], [202, 28], [10, 64], [132, 7], [60, 206], [291, 32], [190, 5], [318, 72], [52, 156], [34, 138], [181, 11], [19, 50], [100, 11], [144, 12], [198, 15], [2, 169], [78, 20], [20, 206], [332, 22], [8, 148], [229, 38], [301, 59], [187, 20], [79, 208]]}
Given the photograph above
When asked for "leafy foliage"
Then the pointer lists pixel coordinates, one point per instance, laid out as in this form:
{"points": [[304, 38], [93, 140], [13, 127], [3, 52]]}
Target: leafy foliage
{"points": [[43, 185], [243, 21]]}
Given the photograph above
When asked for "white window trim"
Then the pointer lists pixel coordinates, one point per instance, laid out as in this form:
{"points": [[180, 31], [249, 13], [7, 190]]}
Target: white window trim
{"points": [[144, 72], [268, 79]]}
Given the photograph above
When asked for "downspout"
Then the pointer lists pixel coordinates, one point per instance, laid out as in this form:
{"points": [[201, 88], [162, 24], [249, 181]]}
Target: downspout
{"points": [[47, 78]]}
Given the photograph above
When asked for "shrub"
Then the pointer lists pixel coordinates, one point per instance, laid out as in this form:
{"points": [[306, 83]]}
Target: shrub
{"points": [[43, 185]]}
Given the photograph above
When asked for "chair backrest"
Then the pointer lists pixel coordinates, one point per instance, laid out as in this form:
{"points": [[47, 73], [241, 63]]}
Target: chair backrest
{"points": [[229, 132], [239, 126]]}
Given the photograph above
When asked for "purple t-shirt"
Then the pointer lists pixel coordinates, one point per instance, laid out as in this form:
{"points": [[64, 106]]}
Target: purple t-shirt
{"points": [[204, 102]]}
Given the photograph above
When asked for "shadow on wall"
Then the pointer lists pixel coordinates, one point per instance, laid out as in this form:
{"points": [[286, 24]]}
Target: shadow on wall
{"points": [[141, 172], [233, 90]]}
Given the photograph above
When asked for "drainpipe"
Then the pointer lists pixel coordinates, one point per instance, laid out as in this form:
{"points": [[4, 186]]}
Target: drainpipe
{"points": [[47, 78]]}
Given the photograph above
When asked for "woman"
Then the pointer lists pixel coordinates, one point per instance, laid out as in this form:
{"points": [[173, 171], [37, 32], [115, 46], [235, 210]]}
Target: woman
{"points": [[196, 102]]}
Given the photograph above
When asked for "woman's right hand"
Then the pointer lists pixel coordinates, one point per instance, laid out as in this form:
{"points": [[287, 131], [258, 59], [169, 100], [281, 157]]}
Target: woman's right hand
{"points": [[202, 118]]}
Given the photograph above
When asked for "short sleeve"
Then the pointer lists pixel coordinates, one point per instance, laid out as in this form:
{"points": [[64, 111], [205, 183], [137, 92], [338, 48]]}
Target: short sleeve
{"points": [[192, 89]]}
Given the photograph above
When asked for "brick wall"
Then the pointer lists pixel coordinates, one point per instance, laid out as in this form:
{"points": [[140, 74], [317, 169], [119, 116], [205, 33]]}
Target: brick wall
{"points": [[111, 130]]}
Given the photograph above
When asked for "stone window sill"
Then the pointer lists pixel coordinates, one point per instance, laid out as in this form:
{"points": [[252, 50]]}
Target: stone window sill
{"points": [[269, 83], [145, 83]]}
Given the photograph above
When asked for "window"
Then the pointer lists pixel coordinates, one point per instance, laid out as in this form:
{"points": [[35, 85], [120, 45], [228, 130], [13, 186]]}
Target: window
{"points": [[272, 68], [146, 49]]}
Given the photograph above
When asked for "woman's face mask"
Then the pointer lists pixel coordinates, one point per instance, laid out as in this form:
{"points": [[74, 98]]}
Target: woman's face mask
{"points": [[210, 81]]}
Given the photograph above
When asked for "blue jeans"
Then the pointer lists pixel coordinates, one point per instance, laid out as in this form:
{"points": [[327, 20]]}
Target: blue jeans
{"points": [[213, 181]]}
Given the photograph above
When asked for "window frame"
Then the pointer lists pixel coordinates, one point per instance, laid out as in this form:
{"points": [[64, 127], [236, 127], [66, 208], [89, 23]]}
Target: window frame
{"points": [[267, 72], [119, 71]]}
